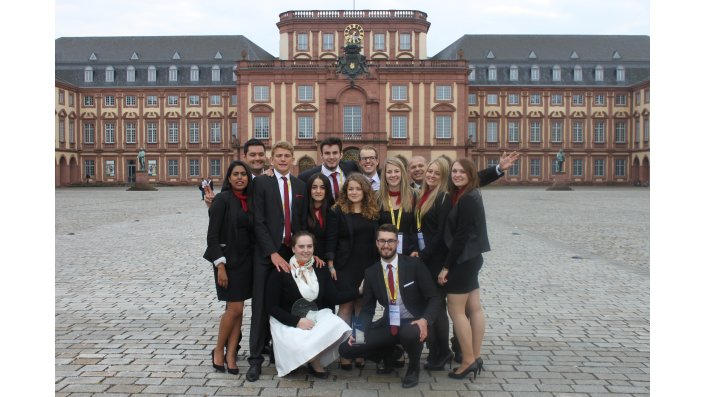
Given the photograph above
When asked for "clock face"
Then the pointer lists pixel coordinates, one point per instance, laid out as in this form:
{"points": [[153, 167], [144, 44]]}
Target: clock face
{"points": [[354, 34]]}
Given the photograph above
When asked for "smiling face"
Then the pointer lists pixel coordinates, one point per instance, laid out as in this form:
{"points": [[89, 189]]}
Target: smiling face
{"points": [[392, 174], [303, 248], [238, 178], [355, 192], [318, 191], [256, 158], [387, 244], [417, 168], [459, 176], [433, 175], [282, 160], [368, 161], [331, 156]]}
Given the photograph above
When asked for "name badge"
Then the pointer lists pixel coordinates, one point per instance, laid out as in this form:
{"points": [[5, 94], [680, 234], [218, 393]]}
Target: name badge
{"points": [[422, 244], [400, 244], [394, 315]]}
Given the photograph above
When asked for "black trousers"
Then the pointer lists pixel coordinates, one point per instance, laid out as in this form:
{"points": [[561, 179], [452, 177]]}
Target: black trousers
{"points": [[379, 342], [260, 335], [437, 340]]}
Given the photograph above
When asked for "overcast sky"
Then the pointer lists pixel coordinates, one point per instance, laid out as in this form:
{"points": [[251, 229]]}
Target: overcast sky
{"points": [[257, 19]]}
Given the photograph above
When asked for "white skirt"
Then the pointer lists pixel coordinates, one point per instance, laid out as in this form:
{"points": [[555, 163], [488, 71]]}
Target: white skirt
{"points": [[294, 346]]}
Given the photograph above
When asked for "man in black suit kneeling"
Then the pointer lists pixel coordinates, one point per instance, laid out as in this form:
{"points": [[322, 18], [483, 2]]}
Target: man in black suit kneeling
{"points": [[406, 290]]}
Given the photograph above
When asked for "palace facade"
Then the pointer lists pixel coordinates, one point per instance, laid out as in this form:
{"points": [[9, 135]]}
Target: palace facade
{"points": [[192, 101]]}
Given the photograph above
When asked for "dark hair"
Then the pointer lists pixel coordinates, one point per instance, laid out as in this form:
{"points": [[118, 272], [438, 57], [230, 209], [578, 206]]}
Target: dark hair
{"points": [[252, 142], [387, 227], [226, 180], [331, 141], [471, 171], [302, 233], [327, 201]]}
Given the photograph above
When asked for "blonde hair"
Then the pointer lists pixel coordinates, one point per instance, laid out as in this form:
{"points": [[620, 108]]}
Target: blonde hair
{"points": [[369, 205], [283, 145], [407, 194], [442, 187]]}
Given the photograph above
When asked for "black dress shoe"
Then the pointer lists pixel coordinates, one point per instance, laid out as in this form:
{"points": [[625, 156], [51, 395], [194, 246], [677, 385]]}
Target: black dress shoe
{"points": [[319, 375], [411, 378], [253, 373]]}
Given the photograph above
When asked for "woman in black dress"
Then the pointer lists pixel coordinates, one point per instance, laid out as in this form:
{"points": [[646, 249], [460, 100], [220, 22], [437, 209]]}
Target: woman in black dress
{"points": [[396, 200], [350, 246], [465, 235], [321, 200], [230, 250]]}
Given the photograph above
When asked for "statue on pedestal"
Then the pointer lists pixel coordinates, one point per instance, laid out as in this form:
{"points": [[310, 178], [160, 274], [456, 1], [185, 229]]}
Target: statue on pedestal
{"points": [[140, 159], [560, 157]]}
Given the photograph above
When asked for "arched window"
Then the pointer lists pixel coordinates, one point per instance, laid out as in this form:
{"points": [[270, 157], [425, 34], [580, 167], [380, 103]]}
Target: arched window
{"points": [[535, 73], [577, 73], [173, 73], [152, 74], [492, 73], [513, 73], [215, 73], [599, 73], [130, 74], [194, 73], [556, 73], [621, 73], [471, 76], [88, 74], [109, 74]]}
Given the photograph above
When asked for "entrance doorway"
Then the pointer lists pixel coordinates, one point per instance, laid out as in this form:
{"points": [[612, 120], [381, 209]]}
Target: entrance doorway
{"points": [[131, 171]]}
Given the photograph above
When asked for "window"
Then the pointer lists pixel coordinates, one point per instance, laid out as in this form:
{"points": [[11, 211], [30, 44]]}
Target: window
{"points": [[535, 99], [621, 73], [492, 163], [637, 98], [647, 97], [556, 73], [471, 75], [72, 132], [379, 42], [305, 93], [405, 41], [492, 132], [151, 100], [194, 167], [194, 132], [352, 119], [620, 100], [173, 166], [577, 73], [535, 167], [556, 131], [399, 93], [233, 99], [152, 167], [215, 132], [328, 42], [472, 131], [173, 129], [109, 74], [578, 100], [88, 133], [535, 131], [151, 132], [88, 74], [215, 167], [130, 74], [399, 128], [578, 131], [443, 128], [62, 130], [173, 73], [646, 130], [215, 100], [578, 167], [173, 100], [233, 130], [492, 73], [636, 131], [514, 169], [599, 73], [599, 100], [535, 75], [235, 73], [109, 167], [215, 73], [513, 131], [620, 167], [261, 93], [71, 99], [599, 131], [472, 99], [130, 133], [514, 73], [513, 99], [443, 93], [302, 42], [194, 73], [556, 99], [194, 100], [151, 74], [130, 100], [599, 167], [109, 133], [262, 127], [620, 132], [89, 165], [110, 100], [305, 127], [88, 100], [492, 99]]}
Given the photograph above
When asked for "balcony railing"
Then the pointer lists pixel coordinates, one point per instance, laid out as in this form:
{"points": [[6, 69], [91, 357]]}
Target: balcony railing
{"points": [[358, 14]]}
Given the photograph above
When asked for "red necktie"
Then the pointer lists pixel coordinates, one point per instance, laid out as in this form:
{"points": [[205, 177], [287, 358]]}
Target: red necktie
{"points": [[390, 280], [287, 214], [335, 184]]}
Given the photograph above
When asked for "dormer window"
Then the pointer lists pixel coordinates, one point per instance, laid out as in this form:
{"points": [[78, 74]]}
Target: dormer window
{"points": [[556, 73], [577, 73], [109, 74], [152, 74], [535, 73], [599, 73], [130, 74], [492, 73], [514, 73], [173, 73], [88, 74], [620, 73], [471, 76], [194, 73]]}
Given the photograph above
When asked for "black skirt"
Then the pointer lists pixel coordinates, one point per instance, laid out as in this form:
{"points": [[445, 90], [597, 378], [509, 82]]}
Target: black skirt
{"points": [[463, 277]]}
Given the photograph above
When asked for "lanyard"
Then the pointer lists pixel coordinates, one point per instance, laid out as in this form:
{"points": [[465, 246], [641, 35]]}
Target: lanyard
{"points": [[395, 221], [418, 220], [393, 298]]}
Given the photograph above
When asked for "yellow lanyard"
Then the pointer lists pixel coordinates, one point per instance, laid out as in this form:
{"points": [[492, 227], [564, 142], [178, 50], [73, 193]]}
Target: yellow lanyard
{"points": [[392, 298], [395, 221], [418, 220]]}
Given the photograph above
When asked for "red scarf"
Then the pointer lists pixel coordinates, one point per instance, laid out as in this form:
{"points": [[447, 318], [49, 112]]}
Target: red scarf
{"points": [[397, 195], [319, 217], [243, 199], [456, 197], [425, 197]]}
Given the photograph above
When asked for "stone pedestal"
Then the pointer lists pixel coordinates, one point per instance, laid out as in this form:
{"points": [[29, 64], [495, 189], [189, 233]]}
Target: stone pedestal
{"points": [[142, 182], [560, 182]]}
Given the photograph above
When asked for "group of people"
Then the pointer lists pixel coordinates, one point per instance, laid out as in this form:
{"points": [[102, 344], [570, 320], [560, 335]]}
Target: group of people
{"points": [[409, 237]]}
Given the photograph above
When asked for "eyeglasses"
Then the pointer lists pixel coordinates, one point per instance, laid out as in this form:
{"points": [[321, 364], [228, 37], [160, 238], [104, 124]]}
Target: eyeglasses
{"points": [[388, 242], [368, 158]]}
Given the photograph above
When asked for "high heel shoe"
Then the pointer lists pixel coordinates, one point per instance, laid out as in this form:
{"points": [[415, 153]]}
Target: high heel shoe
{"points": [[319, 375], [479, 365], [440, 364], [460, 375], [219, 368], [234, 371]]}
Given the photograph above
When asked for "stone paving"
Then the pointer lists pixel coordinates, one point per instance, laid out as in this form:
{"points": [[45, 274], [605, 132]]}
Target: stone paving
{"points": [[565, 291]]}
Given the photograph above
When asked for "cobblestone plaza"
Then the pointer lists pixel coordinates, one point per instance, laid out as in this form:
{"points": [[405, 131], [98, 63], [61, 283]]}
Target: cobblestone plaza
{"points": [[565, 291]]}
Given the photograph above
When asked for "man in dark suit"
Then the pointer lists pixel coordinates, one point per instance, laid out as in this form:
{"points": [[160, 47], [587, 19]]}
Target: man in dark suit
{"points": [[332, 167], [280, 211], [369, 161], [406, 290]]}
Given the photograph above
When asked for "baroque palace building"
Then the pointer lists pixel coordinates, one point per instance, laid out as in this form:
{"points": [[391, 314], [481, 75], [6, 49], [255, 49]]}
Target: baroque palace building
{"points": [[192, 101]]}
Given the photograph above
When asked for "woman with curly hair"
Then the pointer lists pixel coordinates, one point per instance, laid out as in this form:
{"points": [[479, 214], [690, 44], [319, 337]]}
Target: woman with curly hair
{"points": [[350, 245]]}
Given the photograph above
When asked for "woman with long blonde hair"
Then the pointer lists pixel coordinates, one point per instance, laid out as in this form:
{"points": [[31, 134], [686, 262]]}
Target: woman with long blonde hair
{"points": [[396, 200]]}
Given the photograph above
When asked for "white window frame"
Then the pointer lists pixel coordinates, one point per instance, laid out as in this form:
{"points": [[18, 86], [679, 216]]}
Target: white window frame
{"points": [[215, 132], [472, 99], [352, 119], [304, 93], [89, 167], [535, 73], [620, 131], [472, 131], [305, 127], [261, 127], [130, 100], [599, 167], [578, 100], [261, 93], [578, 131], [513, 99], [88, 100], [599, 73], [109, 132], [173, 100], [130, 132], [194, 74], [620, 100], [151, 74], [88, 133], [62, 130], [173, 132], [471, 73], [72, 131], [599, 100], [405, 41], [215, 73], [620, 167], [194, 132], [88, 74], [513, 131], [444, 92], [598, 128], [534, 167], [173, 167], [621, 73], [400, 125], [578, 167], [400, 92], [492, 73], [535, 99], [492, 99], [577, 73], [328, 42], [215, 100], [110, 168], [302, 42], [194, 167], [557, 99], [194, 100], [215, 167], [152, 132], [152, 100], [130, 74], [514, 73], [173, 73], [152, 168], [556, 73], [534, 131], [109, 74], [444, 127], [379, 41], [557, 131], [492, 128], [109, 100]]}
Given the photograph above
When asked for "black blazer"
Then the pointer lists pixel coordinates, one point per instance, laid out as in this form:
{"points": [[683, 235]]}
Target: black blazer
{"points": [[222, 228], [465, 232], [340, 237], [432, 226], [347, 166], [488, 175], [416, 287], [269, 214], [319, 233]]}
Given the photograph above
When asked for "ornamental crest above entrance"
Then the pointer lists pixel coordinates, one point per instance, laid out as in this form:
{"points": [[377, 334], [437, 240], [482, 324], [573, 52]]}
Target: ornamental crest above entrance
{"points": [[352, 63]]}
